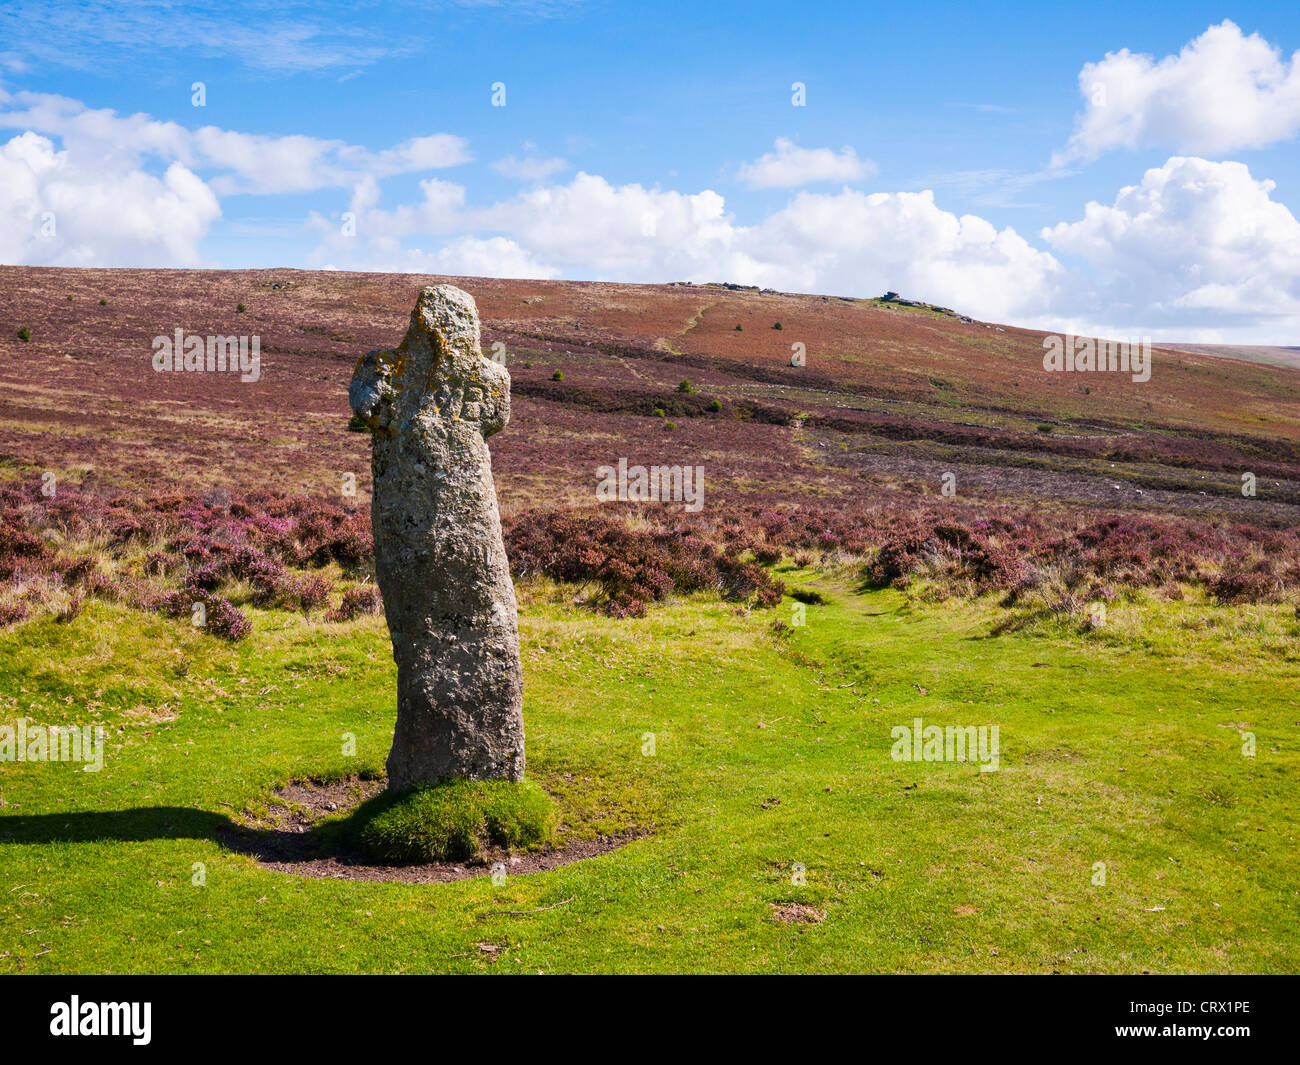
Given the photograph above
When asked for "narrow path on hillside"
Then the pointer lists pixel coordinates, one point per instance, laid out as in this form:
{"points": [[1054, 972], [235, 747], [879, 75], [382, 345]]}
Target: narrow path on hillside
{"points": [[667, 345], [695, 319]]}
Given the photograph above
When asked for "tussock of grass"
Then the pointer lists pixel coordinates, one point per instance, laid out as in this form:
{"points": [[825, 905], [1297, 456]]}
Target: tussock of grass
{"points": [[454, 822]]}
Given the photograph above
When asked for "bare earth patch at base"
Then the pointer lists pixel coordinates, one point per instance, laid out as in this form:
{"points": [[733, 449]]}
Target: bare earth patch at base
{"points": [[282, 841], [796, 912]]}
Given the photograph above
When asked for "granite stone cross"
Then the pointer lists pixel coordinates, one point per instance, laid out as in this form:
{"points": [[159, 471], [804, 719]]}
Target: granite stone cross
{"points": [[430, 405]]}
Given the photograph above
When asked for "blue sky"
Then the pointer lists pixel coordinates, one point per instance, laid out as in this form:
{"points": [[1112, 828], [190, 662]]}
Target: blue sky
{"points": [[948, 152]]}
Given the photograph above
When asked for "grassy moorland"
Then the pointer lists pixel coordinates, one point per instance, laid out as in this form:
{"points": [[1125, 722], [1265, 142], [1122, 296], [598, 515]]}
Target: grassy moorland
{"points": [[771, 747], [1098, 587]]}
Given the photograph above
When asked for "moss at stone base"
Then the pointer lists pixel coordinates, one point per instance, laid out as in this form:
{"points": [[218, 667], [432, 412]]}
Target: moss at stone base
{"points": [[454, 822]]}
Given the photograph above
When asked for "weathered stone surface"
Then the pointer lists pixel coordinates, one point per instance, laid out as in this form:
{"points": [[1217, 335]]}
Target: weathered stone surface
{"points": [[439, 556]]}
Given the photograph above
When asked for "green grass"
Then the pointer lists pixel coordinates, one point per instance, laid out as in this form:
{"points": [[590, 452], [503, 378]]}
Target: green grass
{"points": [[752, 755]]}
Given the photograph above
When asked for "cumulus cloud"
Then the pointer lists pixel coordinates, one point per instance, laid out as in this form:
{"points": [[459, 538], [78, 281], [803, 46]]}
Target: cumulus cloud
{"points": [[1194, 238], [131, 190], [847, 242], [586, 228], [1223, 92], [465, 256], [1198, 250], [861, 243], [59, 210], [623, 232], [791, 166]]}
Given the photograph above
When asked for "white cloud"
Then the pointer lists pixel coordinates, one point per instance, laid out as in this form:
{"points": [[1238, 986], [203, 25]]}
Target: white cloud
{"points": [[791, 166], [493, 257], [856, 243], [440, 212], [242, 162], [624, 232], [1223, 92], [259, 164], [131, 190], [587, 227], [56, 210], [433, 152], [477, 257], [846, 242], [1196, 244], [529, 168]]}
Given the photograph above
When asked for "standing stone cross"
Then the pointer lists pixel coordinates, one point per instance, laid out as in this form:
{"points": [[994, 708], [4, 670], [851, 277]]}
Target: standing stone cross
{"points": [[440, 561]]}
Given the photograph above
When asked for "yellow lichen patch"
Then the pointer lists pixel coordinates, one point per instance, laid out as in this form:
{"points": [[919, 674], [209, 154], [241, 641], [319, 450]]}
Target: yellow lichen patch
{"points": [[393, 363]]}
